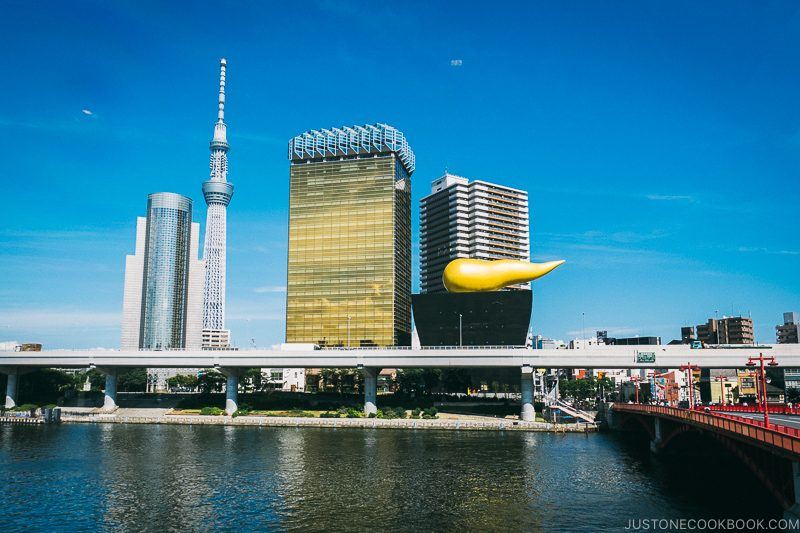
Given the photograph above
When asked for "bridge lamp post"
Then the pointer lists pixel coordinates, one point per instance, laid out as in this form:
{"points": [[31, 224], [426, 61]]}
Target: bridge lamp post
{"points": [[751, 362], [689, 368], [460, 340], [636, 380], [348, 330]]}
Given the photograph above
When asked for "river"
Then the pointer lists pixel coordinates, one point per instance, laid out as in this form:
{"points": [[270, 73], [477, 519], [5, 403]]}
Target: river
{"points": [[156, 478]]}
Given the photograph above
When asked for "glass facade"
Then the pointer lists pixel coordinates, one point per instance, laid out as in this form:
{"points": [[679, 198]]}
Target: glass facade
{"points": [[166, 271], [349, 265]]}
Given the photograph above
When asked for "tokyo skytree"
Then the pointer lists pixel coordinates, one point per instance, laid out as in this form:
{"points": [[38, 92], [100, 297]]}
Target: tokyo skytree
{"points": [[217, 192]]}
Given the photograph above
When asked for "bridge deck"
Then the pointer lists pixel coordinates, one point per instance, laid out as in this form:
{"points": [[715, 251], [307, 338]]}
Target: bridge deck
{"points": [[780, 438]]}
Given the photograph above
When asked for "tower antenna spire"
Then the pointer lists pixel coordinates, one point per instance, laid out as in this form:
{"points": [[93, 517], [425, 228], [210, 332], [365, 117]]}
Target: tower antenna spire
{"points": [[222, 65]]}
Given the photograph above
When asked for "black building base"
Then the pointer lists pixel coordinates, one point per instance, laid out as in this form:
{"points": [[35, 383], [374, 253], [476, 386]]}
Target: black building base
{"points": [[498, 318]]}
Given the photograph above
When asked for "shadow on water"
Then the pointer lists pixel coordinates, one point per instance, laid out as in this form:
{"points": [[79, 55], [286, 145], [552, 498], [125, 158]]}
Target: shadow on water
{"points": [[210, 477]]}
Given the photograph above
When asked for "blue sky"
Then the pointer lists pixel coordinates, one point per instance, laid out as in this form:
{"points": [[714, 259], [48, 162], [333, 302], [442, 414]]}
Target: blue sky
{"points": [[659, 142]]}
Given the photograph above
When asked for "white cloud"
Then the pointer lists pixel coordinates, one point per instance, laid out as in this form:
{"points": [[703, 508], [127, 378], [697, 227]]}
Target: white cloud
{"points": [[671, 198], [456, 62], [270, 289], [751, 249], [87, 112]]}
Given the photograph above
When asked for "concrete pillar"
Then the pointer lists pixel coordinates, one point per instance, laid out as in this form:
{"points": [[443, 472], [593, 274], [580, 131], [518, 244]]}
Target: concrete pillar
{"points": [[11, 389], [231, 390], [110, 394], [370, 391], [656, 442], [527, 414], [793, 513]]}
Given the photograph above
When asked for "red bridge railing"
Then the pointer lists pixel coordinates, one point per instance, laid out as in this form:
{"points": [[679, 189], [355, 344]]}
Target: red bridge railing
{"points": [[778, 409], [784, 437]]}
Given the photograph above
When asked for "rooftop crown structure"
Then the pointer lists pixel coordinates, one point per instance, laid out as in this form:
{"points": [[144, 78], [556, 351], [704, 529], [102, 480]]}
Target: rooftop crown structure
{"points": [[217, 192]]}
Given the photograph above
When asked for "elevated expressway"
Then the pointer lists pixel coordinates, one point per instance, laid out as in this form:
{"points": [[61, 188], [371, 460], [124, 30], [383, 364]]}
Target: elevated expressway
{"points": [[371, 360]]}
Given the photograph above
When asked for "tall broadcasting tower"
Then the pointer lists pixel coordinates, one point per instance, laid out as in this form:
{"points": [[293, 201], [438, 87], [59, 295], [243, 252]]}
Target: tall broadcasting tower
{"points": [[217, 192]]}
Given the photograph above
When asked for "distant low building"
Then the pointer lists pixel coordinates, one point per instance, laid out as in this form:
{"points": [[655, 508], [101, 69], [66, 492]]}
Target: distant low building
{"points": [[285, 379]]}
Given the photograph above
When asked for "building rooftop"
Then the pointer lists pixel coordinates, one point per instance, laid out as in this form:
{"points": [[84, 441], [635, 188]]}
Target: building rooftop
{"points": [[350, 141]]}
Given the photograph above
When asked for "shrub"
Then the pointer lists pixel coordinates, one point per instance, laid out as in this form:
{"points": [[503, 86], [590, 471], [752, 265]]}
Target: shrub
{"points": [[354, 413], [399, 412], [211, 411], [416, 412], [328, 414], [342, 411], [239, 412], [430, 413], [373, 415], [25, 407], [300, 413]]}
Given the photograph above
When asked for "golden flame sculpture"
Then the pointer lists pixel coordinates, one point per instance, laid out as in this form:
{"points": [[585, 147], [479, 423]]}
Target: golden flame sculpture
{"points": [[479, 275]]}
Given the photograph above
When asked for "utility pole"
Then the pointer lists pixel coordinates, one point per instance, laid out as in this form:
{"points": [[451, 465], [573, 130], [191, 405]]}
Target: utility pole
{"points": [[722, 381]]}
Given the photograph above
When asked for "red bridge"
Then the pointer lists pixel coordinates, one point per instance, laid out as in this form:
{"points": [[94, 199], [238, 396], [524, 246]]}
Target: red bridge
{"points": [[771, 452]]}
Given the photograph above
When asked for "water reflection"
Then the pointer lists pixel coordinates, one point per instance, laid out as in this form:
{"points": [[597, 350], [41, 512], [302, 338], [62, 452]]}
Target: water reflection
{"points": [[177, 477]]}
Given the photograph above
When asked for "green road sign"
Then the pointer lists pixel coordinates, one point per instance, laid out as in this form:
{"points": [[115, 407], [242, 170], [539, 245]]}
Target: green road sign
{"points": [[645, 357]]}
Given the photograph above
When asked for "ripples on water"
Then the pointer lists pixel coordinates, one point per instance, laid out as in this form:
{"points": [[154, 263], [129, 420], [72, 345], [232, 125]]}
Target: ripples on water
{"points": [[133, 477]]}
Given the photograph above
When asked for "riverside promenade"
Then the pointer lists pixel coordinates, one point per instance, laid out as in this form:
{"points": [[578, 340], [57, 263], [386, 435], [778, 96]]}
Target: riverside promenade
{"points": [[472, 424]]}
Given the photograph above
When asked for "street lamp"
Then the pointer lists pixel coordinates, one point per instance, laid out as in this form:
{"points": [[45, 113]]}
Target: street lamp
{"points": [[348, 330], [751, 362], [460, 341], [689, 368]]}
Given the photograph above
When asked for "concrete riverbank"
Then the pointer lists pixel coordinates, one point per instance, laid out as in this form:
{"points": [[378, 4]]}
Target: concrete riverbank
{"points": [[363, 423]]}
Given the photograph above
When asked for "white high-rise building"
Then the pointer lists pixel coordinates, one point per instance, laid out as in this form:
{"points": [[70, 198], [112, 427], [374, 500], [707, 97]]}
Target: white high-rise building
{"points": [[217, 192], [477, 219], [163, 296]]}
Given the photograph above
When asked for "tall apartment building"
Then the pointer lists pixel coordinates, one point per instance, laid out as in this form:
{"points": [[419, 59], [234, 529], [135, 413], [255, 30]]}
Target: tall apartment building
{"points": [[727, 330], [163, 298], [349, 264], [475, 219], [789, 332]]}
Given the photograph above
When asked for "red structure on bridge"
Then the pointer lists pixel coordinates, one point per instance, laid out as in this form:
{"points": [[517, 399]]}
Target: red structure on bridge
{"points": [[770, 451]]}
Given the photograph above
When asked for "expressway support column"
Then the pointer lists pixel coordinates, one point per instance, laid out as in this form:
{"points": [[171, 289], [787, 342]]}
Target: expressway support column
{"points": [[656, 442], [11, 387], [110, 393], [370, 391], [527, 414], [231, 390]]}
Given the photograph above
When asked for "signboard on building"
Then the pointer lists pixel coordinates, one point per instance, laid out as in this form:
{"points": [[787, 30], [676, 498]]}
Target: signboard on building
{"points": [[645, 357]]}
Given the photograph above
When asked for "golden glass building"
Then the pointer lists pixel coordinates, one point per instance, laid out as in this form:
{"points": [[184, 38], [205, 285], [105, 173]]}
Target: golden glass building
{"points": [[349, 268]]}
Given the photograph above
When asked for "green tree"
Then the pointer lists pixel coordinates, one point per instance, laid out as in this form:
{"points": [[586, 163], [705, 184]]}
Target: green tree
{"points": [[97, 380], [210, 380], [456, 379], [132, 380], [250, 379], [578, 390]]}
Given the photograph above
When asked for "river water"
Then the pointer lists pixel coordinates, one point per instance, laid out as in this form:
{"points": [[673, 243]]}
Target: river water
{"points": [[156, 478]]}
